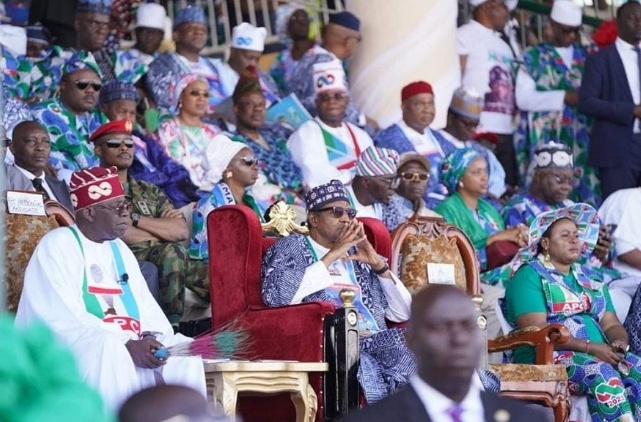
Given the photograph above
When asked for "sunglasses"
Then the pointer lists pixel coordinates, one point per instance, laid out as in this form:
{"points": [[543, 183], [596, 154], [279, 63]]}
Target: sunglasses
{"points": [[568, 31], [338, 212], [82, 85], [123, 207], [249, 161], [336, 96], [117, 143], [414, 176]]}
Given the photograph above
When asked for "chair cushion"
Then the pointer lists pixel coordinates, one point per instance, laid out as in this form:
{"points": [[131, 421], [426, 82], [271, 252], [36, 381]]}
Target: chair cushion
{"points": [[528, 373], [419, 250], [23, 234]]}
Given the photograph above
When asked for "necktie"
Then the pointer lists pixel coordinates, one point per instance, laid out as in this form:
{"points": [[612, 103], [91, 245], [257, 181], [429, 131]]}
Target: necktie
{"points": [[37, 183], [638, 51], [455, 412]]}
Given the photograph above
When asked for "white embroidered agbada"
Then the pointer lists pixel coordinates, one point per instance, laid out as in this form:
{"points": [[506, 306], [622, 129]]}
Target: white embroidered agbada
{"points": [[53, 292]]}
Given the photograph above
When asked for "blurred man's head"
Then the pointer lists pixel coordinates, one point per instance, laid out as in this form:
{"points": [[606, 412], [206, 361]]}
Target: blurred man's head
{"points": [[91, 23], [190, 30], [376, 178], [247, 45], [31, 146], [342, 34], [165, 402], [565, 22], [417, 104], [81, 83], [553, 176], [332, 96], [150, 27], [249, 101], [114, 145], [118, 100], [464, 114], [413, 175]]}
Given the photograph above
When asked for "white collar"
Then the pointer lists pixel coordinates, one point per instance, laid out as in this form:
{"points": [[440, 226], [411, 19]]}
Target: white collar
{"points": [[436, 404], [411, 131], [479, 26], [30, 175], [624, 44]]}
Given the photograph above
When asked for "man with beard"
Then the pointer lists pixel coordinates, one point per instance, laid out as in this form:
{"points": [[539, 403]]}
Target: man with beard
{"points": [[190, 36], [328, 146], [336, 255], [413, 134], [94, 298], [157, 228], [71, 117], [30, 146]]}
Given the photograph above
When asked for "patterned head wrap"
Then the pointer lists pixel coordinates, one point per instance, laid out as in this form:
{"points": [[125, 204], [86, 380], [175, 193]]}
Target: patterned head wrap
{"points": [[454, 165], [195, 14], [93, 186], [177, 89], [79, 61], [552, 155], [325, 194], [248, 82], [284, 14], [116, 90], [377, 162], [583, 215], [102, 7]]}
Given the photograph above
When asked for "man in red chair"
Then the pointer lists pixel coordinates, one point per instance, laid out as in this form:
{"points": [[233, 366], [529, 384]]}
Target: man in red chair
{"points": [[337, 255]]}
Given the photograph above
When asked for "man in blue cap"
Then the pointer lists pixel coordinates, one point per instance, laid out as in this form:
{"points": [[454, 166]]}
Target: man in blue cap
{"points": [[190, 36], [340, 37]]}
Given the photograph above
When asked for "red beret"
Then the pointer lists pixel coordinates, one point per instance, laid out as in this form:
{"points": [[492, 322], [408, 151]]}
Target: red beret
{"points": [[119, 126], [415, 88]]}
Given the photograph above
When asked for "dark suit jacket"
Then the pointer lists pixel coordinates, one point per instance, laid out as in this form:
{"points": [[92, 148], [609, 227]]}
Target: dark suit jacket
{"points": [[605, 95], [405, 406], [16, 180]]}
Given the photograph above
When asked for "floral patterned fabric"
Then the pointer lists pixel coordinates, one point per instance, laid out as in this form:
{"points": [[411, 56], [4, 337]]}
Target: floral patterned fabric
{"points": [[547, 69]]}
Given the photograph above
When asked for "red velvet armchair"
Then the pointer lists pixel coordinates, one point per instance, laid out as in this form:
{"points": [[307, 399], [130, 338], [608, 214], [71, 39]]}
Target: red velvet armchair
{"points": [[292, 332]]}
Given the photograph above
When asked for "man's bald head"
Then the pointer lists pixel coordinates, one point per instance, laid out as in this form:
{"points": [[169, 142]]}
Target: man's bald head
{"points": [[30, 146], [163, 402], [444, 335]]}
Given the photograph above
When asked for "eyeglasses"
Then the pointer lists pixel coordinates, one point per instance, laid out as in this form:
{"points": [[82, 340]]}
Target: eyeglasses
{"points": [[95, 25], [123, 207], [336, 96], [568, 31], [249, 161], [196, 93], [82, 85], [338, 212], [415, 176]]}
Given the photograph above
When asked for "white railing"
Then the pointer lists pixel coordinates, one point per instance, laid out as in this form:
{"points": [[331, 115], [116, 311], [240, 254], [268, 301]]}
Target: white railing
{"points": [[262, 11]]}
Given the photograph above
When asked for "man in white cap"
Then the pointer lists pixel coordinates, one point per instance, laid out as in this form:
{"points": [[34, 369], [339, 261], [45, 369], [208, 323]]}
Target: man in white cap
{"points": [[547, 86], [150, 30], [328, 147], [487, 54], [247, 45]]}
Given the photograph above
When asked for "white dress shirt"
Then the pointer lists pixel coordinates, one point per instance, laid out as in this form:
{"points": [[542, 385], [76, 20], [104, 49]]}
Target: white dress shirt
{"points": [[631, 65], [437, 405], [527, 96], [32, 176]]}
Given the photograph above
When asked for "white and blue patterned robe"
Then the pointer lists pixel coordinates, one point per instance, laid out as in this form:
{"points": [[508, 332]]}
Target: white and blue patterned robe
{"points": [[385, 361]]}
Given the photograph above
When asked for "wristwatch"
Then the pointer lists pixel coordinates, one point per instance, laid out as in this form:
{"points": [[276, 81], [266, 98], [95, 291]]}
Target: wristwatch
{"points": [[135, 218]]}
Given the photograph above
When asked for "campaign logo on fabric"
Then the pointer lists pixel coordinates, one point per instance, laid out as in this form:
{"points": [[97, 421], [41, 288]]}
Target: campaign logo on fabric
{"points": [[564, 301], [610, 393], [325, 80], [244, 41], [124, 322]]}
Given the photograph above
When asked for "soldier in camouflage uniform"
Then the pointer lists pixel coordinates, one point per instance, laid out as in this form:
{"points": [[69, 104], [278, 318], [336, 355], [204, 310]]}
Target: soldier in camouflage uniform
{"points": [[157, 228]]}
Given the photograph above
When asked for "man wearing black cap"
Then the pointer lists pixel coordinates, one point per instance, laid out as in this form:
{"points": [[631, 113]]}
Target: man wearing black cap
{"points": [[339, 40]]}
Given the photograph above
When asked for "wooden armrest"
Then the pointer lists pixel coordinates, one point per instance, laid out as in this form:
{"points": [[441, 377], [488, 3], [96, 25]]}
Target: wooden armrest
{"points": [[542, 339]]}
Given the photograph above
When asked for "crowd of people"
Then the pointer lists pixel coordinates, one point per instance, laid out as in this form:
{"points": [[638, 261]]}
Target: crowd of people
{"points": [[142, 145]]}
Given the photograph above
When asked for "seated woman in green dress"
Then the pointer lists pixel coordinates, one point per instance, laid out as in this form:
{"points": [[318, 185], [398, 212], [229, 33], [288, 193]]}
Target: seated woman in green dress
{"points": [[465, 174], [550, 286]]}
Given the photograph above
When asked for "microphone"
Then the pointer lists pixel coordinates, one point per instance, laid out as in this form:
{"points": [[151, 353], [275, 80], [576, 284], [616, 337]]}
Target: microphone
{"points": [[124, 279]]}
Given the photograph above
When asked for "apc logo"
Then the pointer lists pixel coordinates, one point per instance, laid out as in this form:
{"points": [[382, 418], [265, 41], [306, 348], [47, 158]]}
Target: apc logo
{"points": [[610, 393], [244, 40], [322, 81]]}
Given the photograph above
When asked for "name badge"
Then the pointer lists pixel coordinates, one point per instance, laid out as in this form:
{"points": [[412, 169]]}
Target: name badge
{"points": [[26, 203], [440, 273]]}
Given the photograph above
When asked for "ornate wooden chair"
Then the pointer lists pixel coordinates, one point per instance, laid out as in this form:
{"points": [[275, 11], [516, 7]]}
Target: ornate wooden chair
{"points": [[424, 240], [297, 332], [23, 234]]}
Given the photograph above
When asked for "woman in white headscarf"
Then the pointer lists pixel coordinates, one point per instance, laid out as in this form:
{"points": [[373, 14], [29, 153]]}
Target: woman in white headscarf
{"points": [[233, 166]]}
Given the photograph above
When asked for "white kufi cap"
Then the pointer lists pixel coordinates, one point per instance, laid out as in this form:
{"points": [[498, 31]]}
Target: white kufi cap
{"points": [[566, 12], [151, 15], [247, 37], [329, 76]]}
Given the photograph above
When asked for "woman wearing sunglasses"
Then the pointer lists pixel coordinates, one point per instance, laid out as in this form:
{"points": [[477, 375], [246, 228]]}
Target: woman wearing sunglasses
{"points": [[551, 286], [185, 137], [233, 167]]}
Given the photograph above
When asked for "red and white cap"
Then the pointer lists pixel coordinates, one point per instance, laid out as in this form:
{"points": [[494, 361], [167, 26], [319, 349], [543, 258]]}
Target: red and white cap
{"points": [[94, 185]]}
